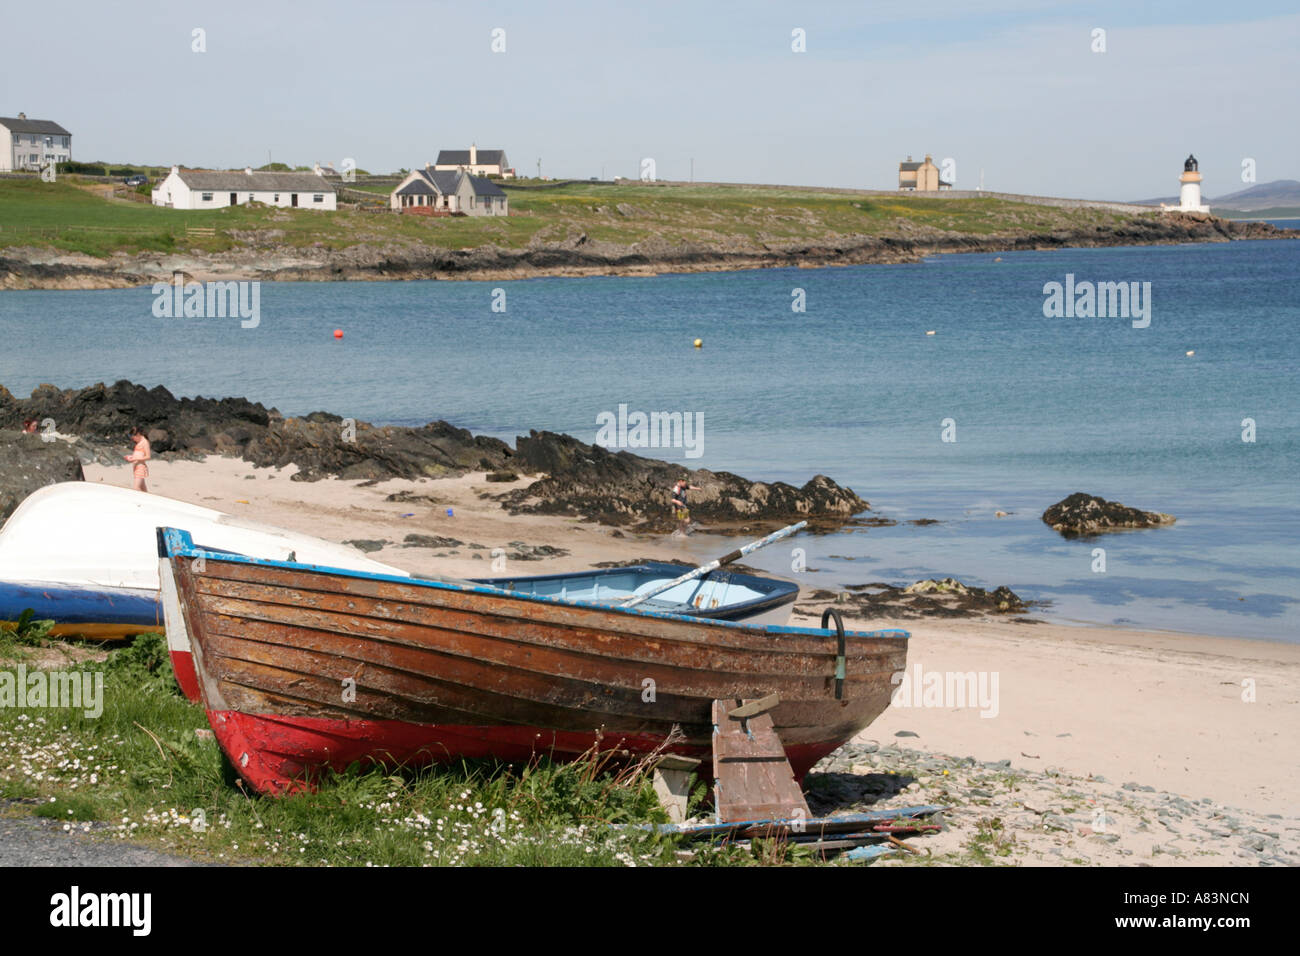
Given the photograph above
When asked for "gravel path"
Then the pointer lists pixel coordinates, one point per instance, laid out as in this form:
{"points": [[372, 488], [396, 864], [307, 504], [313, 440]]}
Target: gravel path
{"points": [[27, 841]]}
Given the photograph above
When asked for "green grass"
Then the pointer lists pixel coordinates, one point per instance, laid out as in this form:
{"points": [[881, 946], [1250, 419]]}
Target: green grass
{"points": [[70, 218], [141, 773]]}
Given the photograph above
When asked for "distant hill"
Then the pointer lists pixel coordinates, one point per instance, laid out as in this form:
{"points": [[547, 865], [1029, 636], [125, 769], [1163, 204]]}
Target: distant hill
{"points": [[1279, 193]]}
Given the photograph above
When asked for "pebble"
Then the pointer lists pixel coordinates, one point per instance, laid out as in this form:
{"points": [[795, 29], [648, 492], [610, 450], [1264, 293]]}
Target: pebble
{"points": [[1044, 810]]}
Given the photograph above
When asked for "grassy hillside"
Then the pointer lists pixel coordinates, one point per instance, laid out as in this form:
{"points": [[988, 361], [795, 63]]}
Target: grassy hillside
{"points": [[67, 216]]}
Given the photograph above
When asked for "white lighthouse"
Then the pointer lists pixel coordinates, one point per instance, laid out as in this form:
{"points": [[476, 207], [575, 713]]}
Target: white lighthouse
{"points": [[1189, 192]]}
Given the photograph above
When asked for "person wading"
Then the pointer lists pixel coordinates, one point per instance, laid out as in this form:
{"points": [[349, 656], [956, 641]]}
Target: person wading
{"points": [[141, 454]]}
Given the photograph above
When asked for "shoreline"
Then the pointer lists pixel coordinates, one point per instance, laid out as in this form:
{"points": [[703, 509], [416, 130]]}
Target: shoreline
{"points": [[32, 268], [1162, 708]]}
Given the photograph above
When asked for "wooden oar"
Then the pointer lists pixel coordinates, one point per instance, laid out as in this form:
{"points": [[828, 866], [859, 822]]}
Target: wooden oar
{"points": [[714, 565]]}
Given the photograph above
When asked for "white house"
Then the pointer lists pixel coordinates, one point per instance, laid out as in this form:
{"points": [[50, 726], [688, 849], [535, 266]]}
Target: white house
{"points": [[32, 144], [445, 192], [475, 161], [212, 189]]}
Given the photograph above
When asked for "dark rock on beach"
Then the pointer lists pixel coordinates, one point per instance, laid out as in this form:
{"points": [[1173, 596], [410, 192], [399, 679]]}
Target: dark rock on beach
{"points": [[947, 597], [1082, 514], [429, 541], [28, 463], [620, 488], [368, 545]]}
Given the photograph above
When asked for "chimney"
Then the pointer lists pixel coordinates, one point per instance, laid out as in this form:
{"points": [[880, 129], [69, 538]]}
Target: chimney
{"points": [[315, 168], [428, 165], [22, 116], [176, 169], [473, 154], [927, 160], [248, 170]]}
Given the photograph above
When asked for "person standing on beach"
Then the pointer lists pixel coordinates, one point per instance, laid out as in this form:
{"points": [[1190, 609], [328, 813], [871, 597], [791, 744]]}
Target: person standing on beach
{"points": [[141, 454], [680, 511]]}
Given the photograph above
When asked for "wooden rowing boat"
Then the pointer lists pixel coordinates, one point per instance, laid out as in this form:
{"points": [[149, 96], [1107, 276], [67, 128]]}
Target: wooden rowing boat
{"points": [[303, 667]]}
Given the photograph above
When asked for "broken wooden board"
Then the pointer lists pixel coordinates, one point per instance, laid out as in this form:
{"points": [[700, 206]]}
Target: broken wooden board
{"points": [[752, 779], [873, 823]]}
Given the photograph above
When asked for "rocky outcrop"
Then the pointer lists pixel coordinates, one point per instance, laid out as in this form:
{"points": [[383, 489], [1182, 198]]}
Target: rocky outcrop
{"points": [[319, 444], [324, 445], [102, 415], [27, 463], [620, 488], [1082, 514], [578, 479], [946, 597]]}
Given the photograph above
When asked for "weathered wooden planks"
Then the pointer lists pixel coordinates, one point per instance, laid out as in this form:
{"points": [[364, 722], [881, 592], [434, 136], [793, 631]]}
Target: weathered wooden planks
{"points": [[312, 646], [752, 777]]}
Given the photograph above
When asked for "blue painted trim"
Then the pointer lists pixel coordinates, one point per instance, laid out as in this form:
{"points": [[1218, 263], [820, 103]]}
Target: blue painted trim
{"points": [[77, 604], [179, 543]]}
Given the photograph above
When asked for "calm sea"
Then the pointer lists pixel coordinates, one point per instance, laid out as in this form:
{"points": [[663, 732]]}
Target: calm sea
{"points": [[852, 387]]}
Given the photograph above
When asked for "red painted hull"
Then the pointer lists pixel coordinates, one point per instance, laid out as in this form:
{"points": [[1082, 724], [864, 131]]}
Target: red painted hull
{"points": [[183, 668], [279, 755]]}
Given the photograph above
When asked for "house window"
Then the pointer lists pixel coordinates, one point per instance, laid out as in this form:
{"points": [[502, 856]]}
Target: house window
{"points": [[277, 197], [207, 197], [318, 197]]}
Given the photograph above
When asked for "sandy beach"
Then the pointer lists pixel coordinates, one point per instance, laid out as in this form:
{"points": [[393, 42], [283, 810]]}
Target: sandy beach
{"points": [[1210, 719]]}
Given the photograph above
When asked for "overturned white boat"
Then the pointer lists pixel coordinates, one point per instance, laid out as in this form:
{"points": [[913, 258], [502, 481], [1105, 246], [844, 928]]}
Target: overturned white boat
{"points": [[85, 555]]}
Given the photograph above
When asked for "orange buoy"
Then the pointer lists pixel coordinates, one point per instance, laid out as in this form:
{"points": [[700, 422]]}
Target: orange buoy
{"points": [[338, 333]]}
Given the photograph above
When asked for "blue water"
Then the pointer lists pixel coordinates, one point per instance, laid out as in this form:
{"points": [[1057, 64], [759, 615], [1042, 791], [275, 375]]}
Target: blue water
{"points": [[851, 388]]}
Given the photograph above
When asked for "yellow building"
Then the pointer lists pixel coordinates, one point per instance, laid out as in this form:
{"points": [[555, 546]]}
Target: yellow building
{"points": [[920, 177]]}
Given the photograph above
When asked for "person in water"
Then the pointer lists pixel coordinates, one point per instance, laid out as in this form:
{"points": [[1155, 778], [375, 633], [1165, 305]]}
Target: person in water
{"points": [[140, 455], [680, 511]]}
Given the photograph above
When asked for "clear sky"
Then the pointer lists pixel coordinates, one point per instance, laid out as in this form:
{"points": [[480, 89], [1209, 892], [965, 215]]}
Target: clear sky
{"points": [[1010, 87]]}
